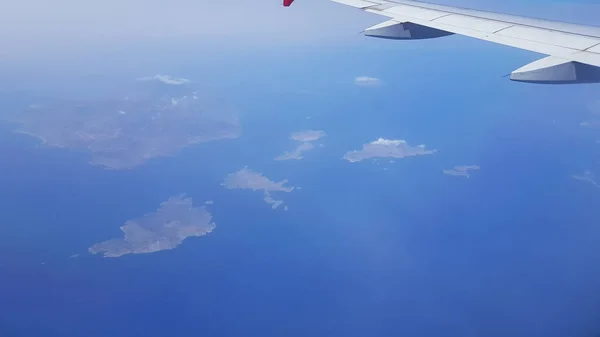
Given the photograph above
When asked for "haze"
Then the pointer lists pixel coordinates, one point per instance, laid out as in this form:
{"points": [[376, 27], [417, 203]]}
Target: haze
{"points": [[30, 26]]}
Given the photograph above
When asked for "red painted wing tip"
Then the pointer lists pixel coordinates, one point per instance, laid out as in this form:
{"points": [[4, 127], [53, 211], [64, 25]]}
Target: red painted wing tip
{"points": [[287, 3]]}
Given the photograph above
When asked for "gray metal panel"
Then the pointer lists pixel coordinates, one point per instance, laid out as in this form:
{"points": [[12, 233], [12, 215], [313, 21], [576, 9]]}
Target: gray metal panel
{"points": [[586, 57], [383, 6], [357, 3], [554, 38], [595, 49], [482, 25], [416, 12]]}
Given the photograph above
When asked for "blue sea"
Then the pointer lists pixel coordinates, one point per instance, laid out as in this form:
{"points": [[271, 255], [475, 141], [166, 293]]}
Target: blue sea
{"points": [[365, 249]]}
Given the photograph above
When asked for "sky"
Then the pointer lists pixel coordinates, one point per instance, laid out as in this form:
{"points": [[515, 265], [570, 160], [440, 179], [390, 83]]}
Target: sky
{"points": [[62, 27], [67, 39]]}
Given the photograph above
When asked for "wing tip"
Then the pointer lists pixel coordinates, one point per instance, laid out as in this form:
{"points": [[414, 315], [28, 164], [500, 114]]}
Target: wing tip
{"points": [[287, 3]]}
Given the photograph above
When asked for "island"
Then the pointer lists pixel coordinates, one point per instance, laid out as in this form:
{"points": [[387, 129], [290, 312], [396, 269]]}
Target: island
{"points": [[248, 179], [587, 176], [387, 148], [306, 137], [462, 170], [175, 220], [297, 153], [157, 117]]}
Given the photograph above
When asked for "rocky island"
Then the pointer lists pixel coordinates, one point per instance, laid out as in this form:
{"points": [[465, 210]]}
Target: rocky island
{"points": [[247, 179], [159, 117], [175, 220]]}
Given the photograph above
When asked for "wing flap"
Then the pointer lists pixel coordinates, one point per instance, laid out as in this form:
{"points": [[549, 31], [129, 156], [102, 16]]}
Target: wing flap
{"points": [[356, 3], [416, 12], [550, 37], [478, 24]]}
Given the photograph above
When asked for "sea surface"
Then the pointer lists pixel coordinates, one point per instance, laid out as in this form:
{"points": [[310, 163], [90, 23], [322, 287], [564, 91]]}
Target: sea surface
{"points": [[366, 249]]}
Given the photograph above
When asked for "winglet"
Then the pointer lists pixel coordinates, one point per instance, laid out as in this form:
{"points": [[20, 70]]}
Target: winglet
{"points": [[287, 3]]}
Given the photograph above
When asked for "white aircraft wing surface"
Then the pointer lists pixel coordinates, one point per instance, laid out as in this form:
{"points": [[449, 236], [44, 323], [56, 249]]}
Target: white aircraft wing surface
{"points": [[573, 50]]}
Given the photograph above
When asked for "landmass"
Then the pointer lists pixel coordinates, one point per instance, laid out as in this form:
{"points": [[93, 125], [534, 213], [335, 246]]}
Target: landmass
{"points": [[307, 137], [248, 179], [158, 118], [273, 202], [175, 220], [296, 154], [386, 148], [462, 170], [165, 79], [587, 176], [367, 81]]}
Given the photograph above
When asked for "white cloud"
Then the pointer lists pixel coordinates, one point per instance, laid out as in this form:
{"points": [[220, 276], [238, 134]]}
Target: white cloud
{"points": [[587, 176], [595, 107], [165, 79], [592, 123], [366, 81], [386, 148], [462, 170]]}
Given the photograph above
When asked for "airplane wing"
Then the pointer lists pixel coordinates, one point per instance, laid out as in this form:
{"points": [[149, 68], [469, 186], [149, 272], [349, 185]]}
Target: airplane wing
{"points": [[573, 51]]}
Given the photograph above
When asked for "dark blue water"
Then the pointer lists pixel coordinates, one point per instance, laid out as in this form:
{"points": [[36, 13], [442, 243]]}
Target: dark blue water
{"points": [[362, 251]]}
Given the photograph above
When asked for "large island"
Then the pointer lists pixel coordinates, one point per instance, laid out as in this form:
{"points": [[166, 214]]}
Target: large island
{"points": [[175, 220], [158, 117]]}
